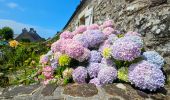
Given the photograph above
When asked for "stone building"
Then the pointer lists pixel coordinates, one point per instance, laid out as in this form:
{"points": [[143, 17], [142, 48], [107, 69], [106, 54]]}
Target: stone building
{"points": [[30, 35], [151, 18]]}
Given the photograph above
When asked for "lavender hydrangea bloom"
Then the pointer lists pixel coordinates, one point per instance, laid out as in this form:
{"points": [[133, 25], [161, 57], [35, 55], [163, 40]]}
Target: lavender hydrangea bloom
{"points": [[82, 39], [125, 50], [138, 40], [96, 82], [95, 56], [131, 33], [112, 38], [107, 75], [94, 37], [54, 65], [79, 75], [146, 76], [107, 62], [85, 55], [93, 69], [154, 57]]}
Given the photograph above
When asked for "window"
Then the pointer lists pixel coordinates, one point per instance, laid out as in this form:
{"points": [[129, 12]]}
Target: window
{"points": [[86, 17]]}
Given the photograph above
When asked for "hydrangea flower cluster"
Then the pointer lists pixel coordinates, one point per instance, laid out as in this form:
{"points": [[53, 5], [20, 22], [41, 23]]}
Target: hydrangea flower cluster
{"points": [[80, 74], [93, 69], [95, 56], [64, 60], [101, 54], [81, 29], [154, 57], [146, 76], [66, 35], [94, 37], [93, 27], [125, 50], [107, 75]]}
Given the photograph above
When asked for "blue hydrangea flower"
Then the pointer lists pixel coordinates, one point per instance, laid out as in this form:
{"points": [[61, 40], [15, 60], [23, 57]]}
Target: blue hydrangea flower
{"points": [[96, 82], [137, 39], [107, 75], [146, 76], [125, 50], [95, 56], [154, 57], [93, 69], [79, 75]]}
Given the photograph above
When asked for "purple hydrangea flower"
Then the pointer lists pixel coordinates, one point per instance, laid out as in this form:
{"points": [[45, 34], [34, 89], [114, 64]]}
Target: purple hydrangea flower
{"points": [[96, 82], [125, 50], [138, 40], [131, 33], [154, 57], [95, 56], [107, 75], [112, 38], [93, 69], [85, 56], [82, 39], [146, 76], [79, 75], [107, 62], [94, 37]]}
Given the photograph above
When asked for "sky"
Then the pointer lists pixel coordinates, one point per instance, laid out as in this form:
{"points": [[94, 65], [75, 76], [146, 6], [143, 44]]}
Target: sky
{"points": [[45, 16]]}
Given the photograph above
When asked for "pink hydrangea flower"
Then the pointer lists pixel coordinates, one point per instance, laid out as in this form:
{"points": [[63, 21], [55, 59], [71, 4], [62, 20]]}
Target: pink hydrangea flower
{"points": [[66, 35], [108, 31], [81, 29], [58, 46], [93, 27], [74, 48], [48, 72], [108, 23]]}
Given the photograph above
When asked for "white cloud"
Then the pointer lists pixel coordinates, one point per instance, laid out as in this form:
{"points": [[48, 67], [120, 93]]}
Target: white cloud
{"points": [[17, 27], [12, 5]]}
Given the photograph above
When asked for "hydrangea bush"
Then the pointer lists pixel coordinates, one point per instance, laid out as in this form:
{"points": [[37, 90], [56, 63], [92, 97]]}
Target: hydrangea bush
{"points": [[101, 54]]}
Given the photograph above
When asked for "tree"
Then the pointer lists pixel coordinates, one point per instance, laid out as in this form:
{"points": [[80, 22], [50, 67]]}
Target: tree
{"points": [[7, 33]]}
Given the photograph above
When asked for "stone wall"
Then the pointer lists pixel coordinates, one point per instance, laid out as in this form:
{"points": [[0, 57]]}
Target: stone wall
{"points": [[151, 18], [116, 91]]}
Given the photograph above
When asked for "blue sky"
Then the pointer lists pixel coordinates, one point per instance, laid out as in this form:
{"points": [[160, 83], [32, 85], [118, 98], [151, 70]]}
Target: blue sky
{"points": [[46, 16]]}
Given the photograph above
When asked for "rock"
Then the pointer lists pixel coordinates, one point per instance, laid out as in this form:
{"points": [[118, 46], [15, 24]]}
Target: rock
{"points": [[80, 90], [113, 90], [157, 2], [121, 86], [20, 91], [49, 89]]}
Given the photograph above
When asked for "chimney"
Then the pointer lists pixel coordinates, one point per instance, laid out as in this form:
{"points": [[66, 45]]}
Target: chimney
{"points": [[24, 30]]}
